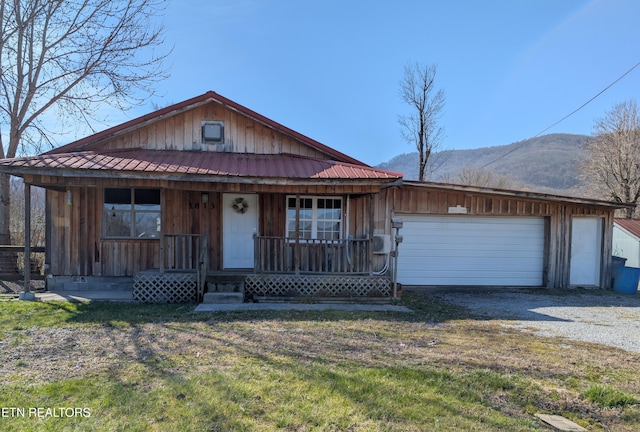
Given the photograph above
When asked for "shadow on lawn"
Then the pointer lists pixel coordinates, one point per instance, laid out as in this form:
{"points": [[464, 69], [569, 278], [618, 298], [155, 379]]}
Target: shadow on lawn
{"points": [[430, 307], [425, 309]]}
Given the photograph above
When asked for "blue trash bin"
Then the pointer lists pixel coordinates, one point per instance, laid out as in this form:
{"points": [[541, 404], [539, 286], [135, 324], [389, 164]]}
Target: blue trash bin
{"points": [[618, 262], [626, 280]]}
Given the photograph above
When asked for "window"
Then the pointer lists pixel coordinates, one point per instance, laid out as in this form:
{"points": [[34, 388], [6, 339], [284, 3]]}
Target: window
{"points": [[132, 213], [319, 217]]}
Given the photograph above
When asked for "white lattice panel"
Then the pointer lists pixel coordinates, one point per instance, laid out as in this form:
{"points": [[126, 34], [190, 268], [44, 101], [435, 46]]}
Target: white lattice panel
{"points": [[165, 287], [319, 286]]}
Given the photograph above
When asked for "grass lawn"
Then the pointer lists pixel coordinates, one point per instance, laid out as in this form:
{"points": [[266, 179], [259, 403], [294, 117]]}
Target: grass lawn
{"points": [[126, 367]]}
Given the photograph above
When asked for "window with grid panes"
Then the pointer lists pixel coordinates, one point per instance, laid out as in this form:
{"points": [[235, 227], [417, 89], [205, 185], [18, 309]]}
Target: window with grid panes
{"points": [[319, 218]]}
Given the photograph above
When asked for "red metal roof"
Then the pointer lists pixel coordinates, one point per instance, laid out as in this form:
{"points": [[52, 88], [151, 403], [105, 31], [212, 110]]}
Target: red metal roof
{"points": [[631, 225], [85, 143], [164, 162]]}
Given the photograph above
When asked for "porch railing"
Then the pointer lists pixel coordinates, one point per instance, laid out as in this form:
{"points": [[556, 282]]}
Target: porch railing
{"points": [[181, 252], [284, 255], [186, 253]]}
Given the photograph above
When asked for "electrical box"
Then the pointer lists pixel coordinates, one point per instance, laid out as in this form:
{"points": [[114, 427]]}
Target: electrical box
{"points": [[381, 244], [397, 222]]}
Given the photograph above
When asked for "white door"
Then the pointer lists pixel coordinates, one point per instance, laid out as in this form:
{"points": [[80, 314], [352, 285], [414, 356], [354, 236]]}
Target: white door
{"points": [[240, 222], [471, 250], [586, 251]]}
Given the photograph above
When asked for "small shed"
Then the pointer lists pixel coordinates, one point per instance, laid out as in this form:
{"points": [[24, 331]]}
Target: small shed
{"points": [[626, 240]]}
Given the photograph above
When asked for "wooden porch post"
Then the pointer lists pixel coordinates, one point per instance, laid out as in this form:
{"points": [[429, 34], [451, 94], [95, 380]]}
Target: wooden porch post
{"points": [[163, 206], [27, 242], [297, 249], [371, 231]]}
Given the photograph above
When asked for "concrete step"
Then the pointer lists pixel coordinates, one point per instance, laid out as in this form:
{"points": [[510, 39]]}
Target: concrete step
{"points": [[226, 284], [223, 297]]}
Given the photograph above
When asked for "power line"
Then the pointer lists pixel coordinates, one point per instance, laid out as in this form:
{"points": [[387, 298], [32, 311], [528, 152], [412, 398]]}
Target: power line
{"points": [[565, 117]]}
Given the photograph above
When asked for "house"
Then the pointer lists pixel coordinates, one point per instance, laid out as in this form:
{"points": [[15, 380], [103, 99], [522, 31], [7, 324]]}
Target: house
{"points": [[209, 196], [626, 240]]}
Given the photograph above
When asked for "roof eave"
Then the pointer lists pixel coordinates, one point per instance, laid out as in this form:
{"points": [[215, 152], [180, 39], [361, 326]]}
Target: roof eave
{"points": [[202, 178], [518, 194]]}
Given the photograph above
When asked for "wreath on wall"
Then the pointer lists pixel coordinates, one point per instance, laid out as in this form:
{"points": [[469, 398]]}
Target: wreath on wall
{"points": [[240, 205]]}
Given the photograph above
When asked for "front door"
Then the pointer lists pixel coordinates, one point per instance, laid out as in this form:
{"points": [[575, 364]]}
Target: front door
{"points": [[240, 223]]}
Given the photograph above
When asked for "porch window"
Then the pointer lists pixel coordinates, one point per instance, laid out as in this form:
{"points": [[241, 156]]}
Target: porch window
{"points": [[319, 217], [132, 213]]}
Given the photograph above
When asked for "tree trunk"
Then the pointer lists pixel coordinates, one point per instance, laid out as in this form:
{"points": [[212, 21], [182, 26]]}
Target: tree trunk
{"points": [[5, 209], [7, 258], [629, 213]]}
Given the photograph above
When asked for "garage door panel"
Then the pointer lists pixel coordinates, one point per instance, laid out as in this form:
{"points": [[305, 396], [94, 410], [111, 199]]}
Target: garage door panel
{"points": [[471, 250], [465, 258], [491, 279], [468, 250]]}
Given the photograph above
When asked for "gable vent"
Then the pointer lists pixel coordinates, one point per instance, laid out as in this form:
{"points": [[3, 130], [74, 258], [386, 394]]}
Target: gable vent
{"points": [[213, 132]]}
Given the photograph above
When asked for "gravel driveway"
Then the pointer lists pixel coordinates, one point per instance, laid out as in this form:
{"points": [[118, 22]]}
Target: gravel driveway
{"points": [[601, 317]]}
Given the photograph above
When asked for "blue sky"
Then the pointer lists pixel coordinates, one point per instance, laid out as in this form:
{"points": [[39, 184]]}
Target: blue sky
{"points": [[331, 69]]}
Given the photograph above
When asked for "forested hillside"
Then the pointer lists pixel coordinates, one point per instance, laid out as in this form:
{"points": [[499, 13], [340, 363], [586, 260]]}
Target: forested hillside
{"points": [[547, 163]]}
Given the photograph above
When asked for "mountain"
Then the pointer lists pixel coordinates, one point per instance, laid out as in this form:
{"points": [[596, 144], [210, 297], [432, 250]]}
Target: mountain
{"points": [[548, 163]]}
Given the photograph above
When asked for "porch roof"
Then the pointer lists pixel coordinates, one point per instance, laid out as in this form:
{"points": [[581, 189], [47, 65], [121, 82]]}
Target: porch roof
{"points": [[193, 165]]}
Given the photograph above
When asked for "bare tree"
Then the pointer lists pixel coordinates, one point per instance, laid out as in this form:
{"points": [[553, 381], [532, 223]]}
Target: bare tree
{"points": [[37, 234], [482, 177], [69, 58], [420, 127], [612, 165], [37, 213]]}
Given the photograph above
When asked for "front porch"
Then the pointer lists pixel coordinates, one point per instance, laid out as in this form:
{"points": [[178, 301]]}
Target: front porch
{"points": [[284, 270]]}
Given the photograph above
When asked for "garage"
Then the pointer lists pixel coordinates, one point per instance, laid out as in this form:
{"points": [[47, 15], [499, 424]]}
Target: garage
{"points": [[471, 250]]}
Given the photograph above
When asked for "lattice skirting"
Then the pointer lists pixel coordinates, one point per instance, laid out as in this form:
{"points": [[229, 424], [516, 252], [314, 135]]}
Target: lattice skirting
{"points": [[165, 287], [318, 286]]}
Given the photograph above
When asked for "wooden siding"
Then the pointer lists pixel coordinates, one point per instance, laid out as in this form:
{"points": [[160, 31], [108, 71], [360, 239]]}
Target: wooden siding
{"points": [[183, 132], [127, 257], [75, 230], [185, 213], [76, 246]]}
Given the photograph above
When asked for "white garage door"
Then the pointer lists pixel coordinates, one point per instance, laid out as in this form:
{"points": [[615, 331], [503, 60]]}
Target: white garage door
{"points": [[471, 250]]}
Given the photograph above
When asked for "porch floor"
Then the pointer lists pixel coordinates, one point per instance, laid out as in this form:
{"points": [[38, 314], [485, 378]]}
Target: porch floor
{"points": [[127, 296]]}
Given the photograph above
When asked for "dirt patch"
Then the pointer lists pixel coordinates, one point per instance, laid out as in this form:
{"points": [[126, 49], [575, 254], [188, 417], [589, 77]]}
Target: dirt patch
{"points": [[16, 285]]}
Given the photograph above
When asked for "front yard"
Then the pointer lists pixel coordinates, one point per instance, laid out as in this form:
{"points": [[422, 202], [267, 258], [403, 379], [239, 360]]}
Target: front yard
{"points": [[124, 367]]}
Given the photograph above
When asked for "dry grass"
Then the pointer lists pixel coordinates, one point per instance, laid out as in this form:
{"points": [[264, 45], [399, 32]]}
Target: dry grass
{"points": [[306, 370]]}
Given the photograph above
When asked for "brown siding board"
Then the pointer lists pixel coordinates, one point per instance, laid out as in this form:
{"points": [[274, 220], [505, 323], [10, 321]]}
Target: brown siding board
{"points": [[84, 233]]}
